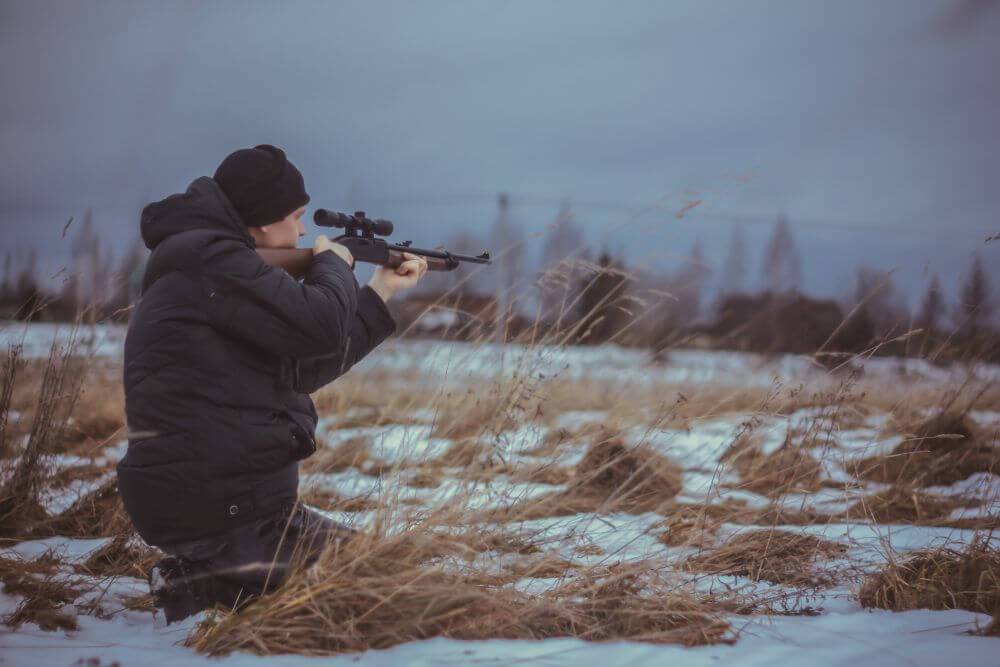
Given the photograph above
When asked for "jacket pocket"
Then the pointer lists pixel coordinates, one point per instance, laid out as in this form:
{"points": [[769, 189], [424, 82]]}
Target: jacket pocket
{"points": [[305, 443], [276, 435], [159, 449]]}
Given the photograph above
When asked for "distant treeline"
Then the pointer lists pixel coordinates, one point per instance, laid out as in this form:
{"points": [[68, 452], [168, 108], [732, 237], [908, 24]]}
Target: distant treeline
{"points": [[577, 299], [94, 285], [574, 297]]}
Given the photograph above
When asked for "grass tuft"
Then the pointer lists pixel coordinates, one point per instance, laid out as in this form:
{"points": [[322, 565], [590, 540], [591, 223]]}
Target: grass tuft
{"points": [[776, 556], [944, 578]]}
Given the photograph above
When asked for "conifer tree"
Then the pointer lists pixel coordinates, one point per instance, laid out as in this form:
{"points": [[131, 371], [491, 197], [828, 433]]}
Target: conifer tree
{"points": [[932, 307], [975, 305], [734, 271], [781, 270]]}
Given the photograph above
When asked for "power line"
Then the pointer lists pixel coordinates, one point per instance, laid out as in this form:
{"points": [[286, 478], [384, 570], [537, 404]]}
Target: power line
{"points": [[694, 216]]}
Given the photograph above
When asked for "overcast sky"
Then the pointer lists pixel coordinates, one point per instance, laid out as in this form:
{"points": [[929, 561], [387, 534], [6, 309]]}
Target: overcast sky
{"points": [[873, 125]]}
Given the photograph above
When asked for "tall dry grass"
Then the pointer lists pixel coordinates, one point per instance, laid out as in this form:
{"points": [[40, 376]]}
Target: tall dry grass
{"points": [[427, 566], [965, 576], [384, 589], [59, 388]]}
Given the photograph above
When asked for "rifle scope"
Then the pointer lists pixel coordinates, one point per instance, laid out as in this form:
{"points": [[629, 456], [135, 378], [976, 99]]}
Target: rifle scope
{"points": [[352, 223]]}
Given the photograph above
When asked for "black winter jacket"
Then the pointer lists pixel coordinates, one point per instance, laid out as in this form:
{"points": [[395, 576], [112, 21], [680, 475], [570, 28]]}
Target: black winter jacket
{"points": [[221, 354]]}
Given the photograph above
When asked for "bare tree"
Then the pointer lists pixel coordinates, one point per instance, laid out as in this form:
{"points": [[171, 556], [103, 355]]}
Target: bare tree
{"points": [[879, 301], [27, 293], [7, 287], [734, 272], [507, 244], [79, 288], [601, 300], [560, 270], [975, 304], [932, 307], [781, 270], [688, 286]]}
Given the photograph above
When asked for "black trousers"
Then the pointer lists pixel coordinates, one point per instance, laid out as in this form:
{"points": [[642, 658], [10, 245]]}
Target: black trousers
{"points": [[244, 562]]}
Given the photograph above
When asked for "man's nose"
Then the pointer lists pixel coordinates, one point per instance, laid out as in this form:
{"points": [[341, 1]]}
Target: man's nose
{"points": [[302, 228]]}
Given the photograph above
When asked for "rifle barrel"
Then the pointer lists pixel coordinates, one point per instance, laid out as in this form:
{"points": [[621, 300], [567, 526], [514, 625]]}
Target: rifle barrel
{"points": [[442, 254]]}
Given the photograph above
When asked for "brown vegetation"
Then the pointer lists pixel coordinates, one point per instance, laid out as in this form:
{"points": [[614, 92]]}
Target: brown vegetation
{"points": [[900, 504], [635, 477], [123, 556], [351, 453], [967, 577], [97, 514], [58, 390], [44, 590], [334, 502], [452, 574], [942, 450], [611, 477], [788, 469], [381, 591], [776, 556], [687, 525]]}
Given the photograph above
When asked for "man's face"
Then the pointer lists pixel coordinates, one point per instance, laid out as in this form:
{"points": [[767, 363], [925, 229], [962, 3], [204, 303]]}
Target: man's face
{"points": [[284, 233]]}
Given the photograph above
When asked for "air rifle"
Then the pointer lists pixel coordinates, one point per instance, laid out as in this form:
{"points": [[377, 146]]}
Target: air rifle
{"points": [[361, 238]]}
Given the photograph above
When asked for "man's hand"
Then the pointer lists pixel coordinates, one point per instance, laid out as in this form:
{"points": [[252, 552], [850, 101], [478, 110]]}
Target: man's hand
{"points": [[387, 281], [322, 244]]}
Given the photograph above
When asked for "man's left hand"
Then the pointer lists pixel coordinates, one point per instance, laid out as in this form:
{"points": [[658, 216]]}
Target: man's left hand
{"points": [[387, 281]]}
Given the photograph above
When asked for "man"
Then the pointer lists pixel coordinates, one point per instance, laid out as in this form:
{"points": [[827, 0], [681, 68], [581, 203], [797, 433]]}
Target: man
{"points": [[221, 354]]}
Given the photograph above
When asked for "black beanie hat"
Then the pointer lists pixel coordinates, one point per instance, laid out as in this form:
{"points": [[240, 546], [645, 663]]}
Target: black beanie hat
{"points": [[262, 185]]}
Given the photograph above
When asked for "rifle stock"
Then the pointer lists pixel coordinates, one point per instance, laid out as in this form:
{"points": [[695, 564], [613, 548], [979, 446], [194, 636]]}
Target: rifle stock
{"points": [[294, 260], [297, 260]]}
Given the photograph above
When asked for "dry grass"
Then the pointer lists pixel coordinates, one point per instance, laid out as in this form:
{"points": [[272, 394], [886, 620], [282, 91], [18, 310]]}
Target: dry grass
{"points": [[124, 556], [58, 390], [775, 556], [44, 590], [382, 591], [471, 415], [967, 577], [632, 476], [543, 473], [611, 477], [89, 410], [942, 450], [689, 525], [332, 501], [351, 453], [12, 364], [422, 571], [556, 438], [789, 469], [97, 514], [900, 504]]}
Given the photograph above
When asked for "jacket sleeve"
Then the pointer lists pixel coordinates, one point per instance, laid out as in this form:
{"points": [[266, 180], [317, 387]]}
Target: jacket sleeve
{"points": [[265, 306], [369, 326]]}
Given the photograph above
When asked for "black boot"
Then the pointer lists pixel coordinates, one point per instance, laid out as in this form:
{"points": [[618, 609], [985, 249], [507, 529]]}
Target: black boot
{"points": [[180, 588]]}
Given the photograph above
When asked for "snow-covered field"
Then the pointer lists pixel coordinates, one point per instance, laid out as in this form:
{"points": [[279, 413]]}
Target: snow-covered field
{"points": [[824, 625], [606, 363]]}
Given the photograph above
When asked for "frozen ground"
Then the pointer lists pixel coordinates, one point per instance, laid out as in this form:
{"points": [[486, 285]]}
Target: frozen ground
{"points": [[839, 633], [842, 636], [606, 363]]}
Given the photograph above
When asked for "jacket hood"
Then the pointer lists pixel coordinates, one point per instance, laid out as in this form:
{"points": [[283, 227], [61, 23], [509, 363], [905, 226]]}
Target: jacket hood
{"points": [[202, 206]]}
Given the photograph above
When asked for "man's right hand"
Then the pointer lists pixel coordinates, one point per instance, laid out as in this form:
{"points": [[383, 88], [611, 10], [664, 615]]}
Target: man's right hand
{"points": [[323, 243]]}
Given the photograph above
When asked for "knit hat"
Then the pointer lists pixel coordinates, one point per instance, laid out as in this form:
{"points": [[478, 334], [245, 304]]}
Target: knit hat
{"points": [[262, 185]]}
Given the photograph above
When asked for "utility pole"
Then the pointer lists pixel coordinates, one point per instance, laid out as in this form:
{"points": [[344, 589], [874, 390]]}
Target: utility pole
{"points": [[503, 269]]}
